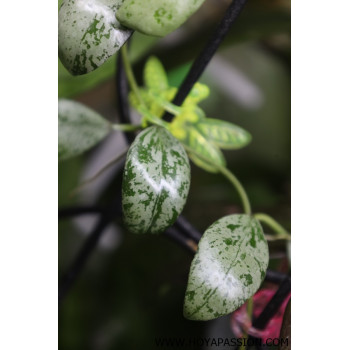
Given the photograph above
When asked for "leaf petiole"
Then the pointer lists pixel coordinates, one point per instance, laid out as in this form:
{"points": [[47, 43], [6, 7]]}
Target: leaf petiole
{"points": [[148, 116], [100, 172], [142, 106], [230, 176], [130, 74], [126, 127], [249, 308], [274, 225], [168, 106]]}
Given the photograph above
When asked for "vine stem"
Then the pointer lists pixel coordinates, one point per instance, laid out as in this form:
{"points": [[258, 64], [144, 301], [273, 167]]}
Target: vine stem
{"points": [[250, 315], [126, 127], [134, 87], [223, 170], [230, 176], [130, 74], [240, 189], [273, 224], [100, 172]]}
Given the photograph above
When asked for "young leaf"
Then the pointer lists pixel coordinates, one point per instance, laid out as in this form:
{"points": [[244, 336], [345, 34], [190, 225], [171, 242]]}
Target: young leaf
{"points": [[79, 128], [192, 138], [228, 268], [89, 33], [156, 17], [198, 93], [156, 181], [224, 134], [154, 75]]}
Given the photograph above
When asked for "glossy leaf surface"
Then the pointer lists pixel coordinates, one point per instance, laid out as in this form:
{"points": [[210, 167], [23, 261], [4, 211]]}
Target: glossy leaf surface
{"points": [[156, 17], [228, 268], [156, 181], [72, 85], [79, 128], [89, 33]]}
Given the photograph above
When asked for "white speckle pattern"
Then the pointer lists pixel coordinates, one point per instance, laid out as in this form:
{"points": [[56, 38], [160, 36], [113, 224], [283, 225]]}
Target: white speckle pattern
{"points": [[89, 33], [156, 181], [228, 268]]}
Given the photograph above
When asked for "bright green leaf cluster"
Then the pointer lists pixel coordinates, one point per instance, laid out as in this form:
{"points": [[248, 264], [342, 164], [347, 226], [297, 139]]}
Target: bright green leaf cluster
{"points": [[203, 135]]}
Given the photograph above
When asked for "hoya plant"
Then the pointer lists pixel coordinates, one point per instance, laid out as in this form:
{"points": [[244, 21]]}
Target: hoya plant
{"points": [[232, 256]]}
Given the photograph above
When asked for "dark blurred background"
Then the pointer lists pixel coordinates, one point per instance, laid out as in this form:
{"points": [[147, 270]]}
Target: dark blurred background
{"points": [[132, 288]]}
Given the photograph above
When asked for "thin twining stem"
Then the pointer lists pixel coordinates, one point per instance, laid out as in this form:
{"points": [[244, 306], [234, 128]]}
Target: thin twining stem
{"points": [[100, 172], [274, 225], [230, 176], [130, 75]]}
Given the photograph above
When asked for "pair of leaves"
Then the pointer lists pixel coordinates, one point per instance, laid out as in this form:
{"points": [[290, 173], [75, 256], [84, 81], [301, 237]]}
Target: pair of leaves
{"points": [[90, 31], [232, 255], [156, 181], [79, 128], [228, 268]]}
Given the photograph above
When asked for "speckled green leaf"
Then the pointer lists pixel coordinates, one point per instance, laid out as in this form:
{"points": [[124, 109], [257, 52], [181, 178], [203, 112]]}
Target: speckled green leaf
{"points": [[224, 134], [156, 17], [156, 181], [228, 268], [89, 33], [79, 128]]}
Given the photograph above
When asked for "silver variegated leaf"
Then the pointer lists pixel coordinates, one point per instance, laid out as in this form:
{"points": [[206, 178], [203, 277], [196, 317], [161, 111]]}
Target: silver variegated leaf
{"points": [[228, 268], [79, 128], [156, 17], [156, 181], [89, 33]]}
